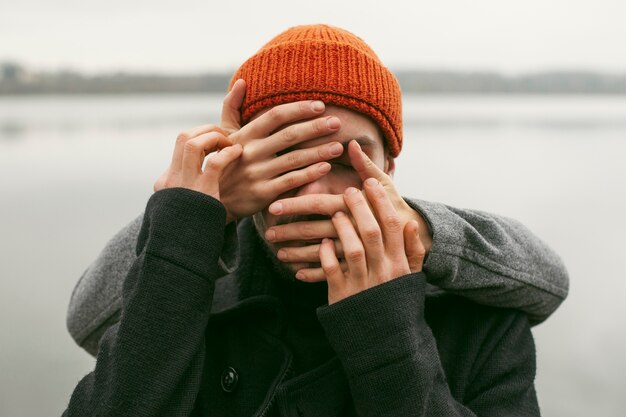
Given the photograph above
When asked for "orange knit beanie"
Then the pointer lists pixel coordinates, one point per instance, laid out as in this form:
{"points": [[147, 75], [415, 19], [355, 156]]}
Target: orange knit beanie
{"points": [[321, 62]]}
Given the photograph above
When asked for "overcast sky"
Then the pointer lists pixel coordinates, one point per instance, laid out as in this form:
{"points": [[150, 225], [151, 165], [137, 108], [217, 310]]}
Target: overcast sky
{"points": [[191, 36]]}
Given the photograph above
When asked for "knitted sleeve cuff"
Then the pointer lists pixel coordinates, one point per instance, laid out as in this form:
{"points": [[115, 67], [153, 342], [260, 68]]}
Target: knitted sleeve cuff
{"points": [[373, 326]]}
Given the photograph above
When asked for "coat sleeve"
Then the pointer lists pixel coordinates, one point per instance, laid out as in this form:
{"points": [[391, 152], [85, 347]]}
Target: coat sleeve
{"points": [[96, 300], [394, 368], [492, 260], [150, 362]]}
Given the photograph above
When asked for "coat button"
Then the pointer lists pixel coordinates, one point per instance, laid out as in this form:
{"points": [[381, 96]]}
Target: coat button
{"points": [[230, 377]]}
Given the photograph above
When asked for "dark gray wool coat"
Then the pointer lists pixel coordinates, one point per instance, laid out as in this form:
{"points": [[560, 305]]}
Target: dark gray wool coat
{"points": [[188, 344]]}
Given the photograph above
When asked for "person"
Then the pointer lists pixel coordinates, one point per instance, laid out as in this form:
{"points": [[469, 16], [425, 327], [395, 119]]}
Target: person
{"points": [[284, 274]]}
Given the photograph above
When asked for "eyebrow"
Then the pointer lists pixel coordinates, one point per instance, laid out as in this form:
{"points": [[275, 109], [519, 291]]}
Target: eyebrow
{"points": [[364, 140]]}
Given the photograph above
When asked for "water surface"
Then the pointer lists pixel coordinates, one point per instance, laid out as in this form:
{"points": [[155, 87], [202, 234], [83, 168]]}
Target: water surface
{"points": [[73, 170]]}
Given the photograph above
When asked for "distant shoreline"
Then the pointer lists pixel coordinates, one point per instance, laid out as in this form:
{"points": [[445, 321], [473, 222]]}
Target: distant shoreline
{"points": [[17, 80]]}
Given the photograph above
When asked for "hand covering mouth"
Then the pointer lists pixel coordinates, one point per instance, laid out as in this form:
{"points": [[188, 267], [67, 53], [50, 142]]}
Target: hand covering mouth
{"points": [[306, 218]]}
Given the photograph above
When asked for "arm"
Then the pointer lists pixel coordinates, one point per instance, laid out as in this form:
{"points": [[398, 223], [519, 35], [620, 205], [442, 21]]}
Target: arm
{"points": [[151, 362], [148, 363], [486, 258], [96, 301], [394, 364], [492, 260], [467, 257], [376, 323], [97, 297]]}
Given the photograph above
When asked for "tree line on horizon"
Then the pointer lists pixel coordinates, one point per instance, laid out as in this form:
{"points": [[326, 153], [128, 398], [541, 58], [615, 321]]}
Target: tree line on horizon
{"points": [[17, 80]]}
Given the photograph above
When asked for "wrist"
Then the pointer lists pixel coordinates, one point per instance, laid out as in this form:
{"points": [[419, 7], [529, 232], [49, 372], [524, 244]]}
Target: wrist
{"points": [[374, 318]]}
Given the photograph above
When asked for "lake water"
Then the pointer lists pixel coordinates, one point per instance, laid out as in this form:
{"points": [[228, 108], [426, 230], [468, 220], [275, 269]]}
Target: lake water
{"points": [[73, 170]]}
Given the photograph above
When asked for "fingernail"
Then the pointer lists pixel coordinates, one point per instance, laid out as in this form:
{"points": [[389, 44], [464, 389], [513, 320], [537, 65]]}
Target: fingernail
{"points": [[336, 149], [317, 106], [339, 214], [281, 254], [324, 168], [276, 208], [372, 182], [332, 123], [300, 276], [351, 190], [270, 235]]}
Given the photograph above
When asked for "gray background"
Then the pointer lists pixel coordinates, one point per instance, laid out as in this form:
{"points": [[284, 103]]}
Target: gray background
{"points": [[73, 170]]}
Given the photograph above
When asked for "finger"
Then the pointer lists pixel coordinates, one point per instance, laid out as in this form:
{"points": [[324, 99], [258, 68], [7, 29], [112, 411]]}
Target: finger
{"points": [[300, 158], [296, 266], [231, 109], [413, 246], [326, 204], [196, 149], [353, 250], [186, 136], [330, 265], [295, 179], [306, 253], [368, 227], [297, 133], [318, 274], [308, 230], [160, 183], [387, 216], [364, 166], [299, 254], [281, 115], [216, 163]]}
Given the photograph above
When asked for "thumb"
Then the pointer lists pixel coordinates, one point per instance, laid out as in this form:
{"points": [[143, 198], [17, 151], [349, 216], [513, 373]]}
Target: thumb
{"points": [[413, 247], [231, 109]]}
